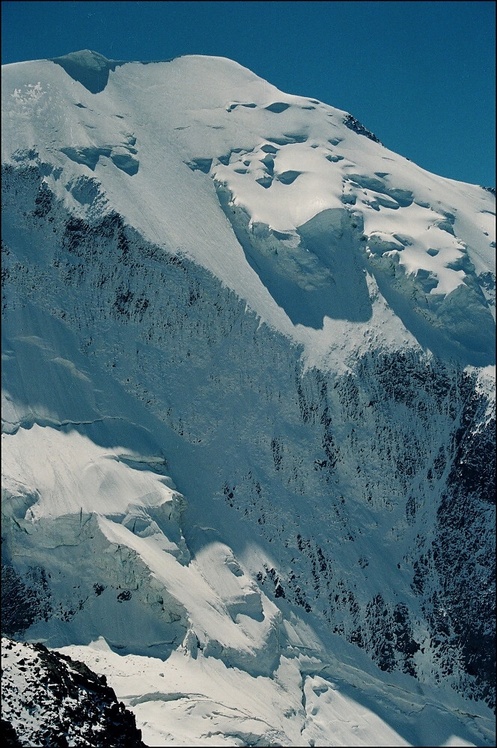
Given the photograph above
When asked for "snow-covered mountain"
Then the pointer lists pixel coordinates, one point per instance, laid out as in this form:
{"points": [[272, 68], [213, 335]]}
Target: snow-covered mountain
{"points": [[249, 409]]}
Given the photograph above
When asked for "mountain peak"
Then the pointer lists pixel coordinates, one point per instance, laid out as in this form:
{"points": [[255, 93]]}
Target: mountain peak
{"points": [[89, 68], [86, 57], [276, 162]]}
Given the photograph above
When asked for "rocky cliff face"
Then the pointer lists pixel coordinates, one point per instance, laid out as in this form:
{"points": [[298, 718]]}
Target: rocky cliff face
{"points": [[161, 436], [66, 703]]}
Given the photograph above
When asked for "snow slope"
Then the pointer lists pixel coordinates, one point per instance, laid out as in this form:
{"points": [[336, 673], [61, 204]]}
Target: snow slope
{"points": [[248, 416], [276, 162]]}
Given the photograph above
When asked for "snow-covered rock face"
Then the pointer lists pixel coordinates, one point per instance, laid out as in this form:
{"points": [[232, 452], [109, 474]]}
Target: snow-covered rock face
{"points": [[248, 406], [56, 696]]}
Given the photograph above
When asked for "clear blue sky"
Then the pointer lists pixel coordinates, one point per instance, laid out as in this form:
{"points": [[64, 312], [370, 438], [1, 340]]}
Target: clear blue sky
{"points": [[420, 75]]}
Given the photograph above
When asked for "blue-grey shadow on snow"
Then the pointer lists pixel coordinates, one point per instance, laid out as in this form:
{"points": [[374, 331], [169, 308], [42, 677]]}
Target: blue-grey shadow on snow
{"points": [[333, 238], [462, 330], [323, 276], [88, 68]]}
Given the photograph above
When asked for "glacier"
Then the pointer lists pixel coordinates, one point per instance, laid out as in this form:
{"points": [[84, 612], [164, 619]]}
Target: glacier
{"points": [[248, 409]]}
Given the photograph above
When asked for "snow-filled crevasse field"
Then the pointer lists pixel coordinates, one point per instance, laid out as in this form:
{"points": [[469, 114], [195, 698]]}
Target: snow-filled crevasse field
{"points": [[247, 454]]}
